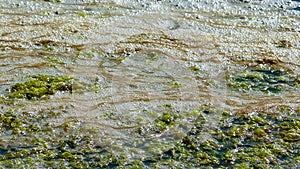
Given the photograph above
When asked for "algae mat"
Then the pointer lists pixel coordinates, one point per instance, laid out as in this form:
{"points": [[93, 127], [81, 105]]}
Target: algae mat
{"points": [[149, 84]]}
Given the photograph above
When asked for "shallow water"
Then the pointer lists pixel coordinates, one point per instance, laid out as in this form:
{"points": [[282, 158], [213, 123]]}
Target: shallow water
{"points": [[145, 54]]}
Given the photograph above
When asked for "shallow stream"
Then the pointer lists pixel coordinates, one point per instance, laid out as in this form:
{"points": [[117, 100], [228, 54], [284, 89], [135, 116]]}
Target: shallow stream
{"points": [[160, 68]]}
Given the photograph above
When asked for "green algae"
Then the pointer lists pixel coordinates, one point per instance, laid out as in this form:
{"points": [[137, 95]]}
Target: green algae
{"points": [[246, 141], [297, 81], [81, 14], [175, 84], [39, 142], [48, 47], [160, 124], [72, 147], [194, 68], [255, 140], [292, 136], [38, 86], [54, 60], [265, 79]]}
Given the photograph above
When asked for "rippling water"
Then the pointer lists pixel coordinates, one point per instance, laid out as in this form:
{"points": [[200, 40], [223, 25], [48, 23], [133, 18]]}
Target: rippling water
{"points": [[141, 54]]}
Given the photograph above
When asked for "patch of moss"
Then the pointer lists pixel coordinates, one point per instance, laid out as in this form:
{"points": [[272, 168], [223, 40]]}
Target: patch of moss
{"points": [[40, 85]]}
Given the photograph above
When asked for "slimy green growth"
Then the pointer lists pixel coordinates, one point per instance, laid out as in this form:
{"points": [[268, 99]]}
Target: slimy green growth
{"points": [[38, 86], [263, 79]]}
